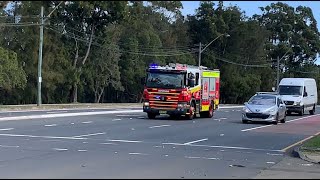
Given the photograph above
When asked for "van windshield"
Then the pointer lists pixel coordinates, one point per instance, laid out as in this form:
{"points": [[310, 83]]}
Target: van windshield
{"points": [[290, 90]]}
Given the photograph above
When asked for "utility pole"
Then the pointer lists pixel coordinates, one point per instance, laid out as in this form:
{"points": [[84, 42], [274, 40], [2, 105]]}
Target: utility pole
{"points": [[200, 54], [40, 57], [278, 71]]}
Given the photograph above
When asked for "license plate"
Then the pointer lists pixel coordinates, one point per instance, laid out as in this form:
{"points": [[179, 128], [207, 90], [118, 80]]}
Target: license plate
{"points": [[163, 112]]}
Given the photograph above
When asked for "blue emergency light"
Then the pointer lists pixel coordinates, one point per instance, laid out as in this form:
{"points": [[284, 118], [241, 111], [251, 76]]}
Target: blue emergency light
{"points": [[153, 66]]}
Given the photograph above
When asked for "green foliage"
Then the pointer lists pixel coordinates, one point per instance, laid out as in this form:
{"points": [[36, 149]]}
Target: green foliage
{"points": [[97, 51]]}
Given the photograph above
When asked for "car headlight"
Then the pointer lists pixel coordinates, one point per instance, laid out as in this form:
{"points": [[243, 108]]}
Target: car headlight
{"points": [[247, 110], [272, 111], [146, 103], [297, 103]]}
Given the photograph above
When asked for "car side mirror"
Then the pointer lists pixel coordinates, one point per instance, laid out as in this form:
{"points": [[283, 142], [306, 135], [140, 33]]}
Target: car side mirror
{"points": [[143, 81], [245, 103], [305, 94]]}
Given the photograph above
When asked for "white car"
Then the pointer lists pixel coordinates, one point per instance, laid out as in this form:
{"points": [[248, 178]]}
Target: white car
{"points": [[267, 107]]}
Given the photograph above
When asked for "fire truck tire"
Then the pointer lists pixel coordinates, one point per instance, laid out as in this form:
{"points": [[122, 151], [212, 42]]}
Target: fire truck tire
{"points": [[192, 111], [207, 114], [151, 116]]}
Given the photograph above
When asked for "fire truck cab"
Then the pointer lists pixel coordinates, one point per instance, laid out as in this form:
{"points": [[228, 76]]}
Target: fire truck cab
{"points": [[181, 90]]}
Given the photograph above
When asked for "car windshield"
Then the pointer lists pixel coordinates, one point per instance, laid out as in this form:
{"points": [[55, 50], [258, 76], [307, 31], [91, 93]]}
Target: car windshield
{"points": [[290, 90], [165, 80], [262, 100]]}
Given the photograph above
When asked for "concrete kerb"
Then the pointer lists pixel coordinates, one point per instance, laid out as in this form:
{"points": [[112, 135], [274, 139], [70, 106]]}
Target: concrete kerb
{"points": [[298, 153]]}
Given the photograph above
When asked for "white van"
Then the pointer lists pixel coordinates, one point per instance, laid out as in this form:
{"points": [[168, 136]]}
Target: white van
{"points": [[299, 94]]}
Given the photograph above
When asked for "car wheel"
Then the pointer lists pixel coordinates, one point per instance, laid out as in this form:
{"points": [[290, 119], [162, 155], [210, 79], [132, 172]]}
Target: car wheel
{"points": [[313, 110], [284, 119], [276, 121]]}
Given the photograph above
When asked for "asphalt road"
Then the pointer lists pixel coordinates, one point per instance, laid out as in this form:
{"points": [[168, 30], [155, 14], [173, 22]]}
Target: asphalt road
{"points": [[125, 144]]}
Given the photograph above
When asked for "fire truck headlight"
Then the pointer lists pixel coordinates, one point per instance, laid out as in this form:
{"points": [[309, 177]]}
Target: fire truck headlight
{"points": [[146, 103]]}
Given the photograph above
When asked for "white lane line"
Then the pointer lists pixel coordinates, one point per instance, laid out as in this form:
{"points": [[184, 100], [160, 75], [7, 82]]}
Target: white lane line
{"points": [[116, 120], [86, 122], [49, 137], [275, 154], [195, 157], [195, 141], [86, 135], [9, 146], [119, 140], [243, 130], [82, 150], [53, 112], [60, 149], [270, 162], [133, 153], [219, 119], [6, 129], [159, 126], [50, 125], [108, 143], [67, 115], [286, 122], [223, 147]]}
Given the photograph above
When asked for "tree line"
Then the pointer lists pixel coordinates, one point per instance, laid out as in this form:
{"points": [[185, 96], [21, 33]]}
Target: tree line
{"points": [[97, 51]]}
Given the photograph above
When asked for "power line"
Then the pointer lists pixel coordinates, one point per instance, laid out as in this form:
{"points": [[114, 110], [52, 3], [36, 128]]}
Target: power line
{"points": [[124, 51]]}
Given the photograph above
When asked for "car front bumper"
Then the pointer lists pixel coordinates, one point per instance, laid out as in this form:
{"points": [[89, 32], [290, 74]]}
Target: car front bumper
{"points": [[294, 108], [259, 118]]}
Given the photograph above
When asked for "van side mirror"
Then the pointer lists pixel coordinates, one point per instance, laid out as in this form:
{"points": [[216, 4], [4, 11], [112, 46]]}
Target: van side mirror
{"points": [[143, 81], [305, 94]]}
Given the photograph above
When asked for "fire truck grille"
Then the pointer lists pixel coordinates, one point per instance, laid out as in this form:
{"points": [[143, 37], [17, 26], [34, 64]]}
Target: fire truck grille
{"points": [[159, 100]]}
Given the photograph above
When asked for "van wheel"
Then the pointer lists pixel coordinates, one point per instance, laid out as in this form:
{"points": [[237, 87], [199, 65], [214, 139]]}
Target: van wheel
{"points": [[301, 112], [313, 110], [245, 121]]}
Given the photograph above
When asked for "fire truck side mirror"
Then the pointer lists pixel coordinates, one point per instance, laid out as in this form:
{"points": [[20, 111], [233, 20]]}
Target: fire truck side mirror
{"points": [[143, 81], [191, 82]]}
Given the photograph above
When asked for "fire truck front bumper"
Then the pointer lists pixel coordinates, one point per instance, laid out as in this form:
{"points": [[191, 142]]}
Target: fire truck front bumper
{"points": [[177, 111]]}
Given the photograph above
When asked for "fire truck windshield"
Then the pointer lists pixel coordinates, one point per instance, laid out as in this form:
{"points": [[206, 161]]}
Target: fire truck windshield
{"points": [[165, 80]]}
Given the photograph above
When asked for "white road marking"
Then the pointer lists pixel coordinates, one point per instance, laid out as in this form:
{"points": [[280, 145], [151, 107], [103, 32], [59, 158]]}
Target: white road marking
{"points": [[86, 122], [49, 125], [286, 122], [9, 146], [84, 142], [71, 123], [275, 154], [86, 135], [270, 162], [60, 149], [119, 140], [49, 137], [137, 153], [56, 112], [195, 141], [82, 150], [116, 120], [223, 147], [159, 126], [67, 115], [6, 129], [108, 143], [194, 157], [243, 130]]}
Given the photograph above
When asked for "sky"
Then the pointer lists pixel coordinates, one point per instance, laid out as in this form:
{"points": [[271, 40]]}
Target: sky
{"points": [[252, 7]]}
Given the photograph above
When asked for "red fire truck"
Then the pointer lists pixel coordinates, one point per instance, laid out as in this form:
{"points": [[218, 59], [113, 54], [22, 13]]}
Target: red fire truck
{"points": [[181, 90]]}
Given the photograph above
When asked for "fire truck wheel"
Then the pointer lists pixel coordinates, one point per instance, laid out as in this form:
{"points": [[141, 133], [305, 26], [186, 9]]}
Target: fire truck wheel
{"points": [[207, 114], [192, 112], [151, 116]]}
